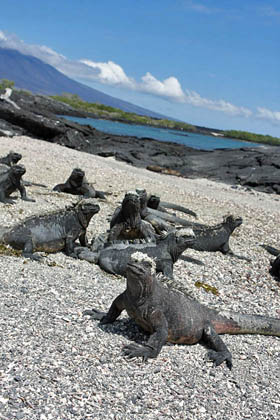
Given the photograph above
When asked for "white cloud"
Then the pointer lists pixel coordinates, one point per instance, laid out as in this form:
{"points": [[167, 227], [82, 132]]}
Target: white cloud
{"points": [[195, 99], [267, 114], [2, 36], [169, 87], [110, 73], [113, 74]]}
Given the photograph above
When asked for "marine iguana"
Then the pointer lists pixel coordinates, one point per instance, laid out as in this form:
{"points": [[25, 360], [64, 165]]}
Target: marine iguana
{"points": [[166, 251], [154, 202], [11, 158], [169, 315], [53, 231], [216, 238], [126, 222], [10, 181], [159, 219], [275, 264], [78, 184]]}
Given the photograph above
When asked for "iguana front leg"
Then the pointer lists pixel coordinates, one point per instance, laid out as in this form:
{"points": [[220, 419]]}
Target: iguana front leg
{"points": [[115, 232], [28, 248], [23, 195], [225, 249], [4, 199], [114, 312], [219, 353], [69, 245], [154, 345], [83, 239]]}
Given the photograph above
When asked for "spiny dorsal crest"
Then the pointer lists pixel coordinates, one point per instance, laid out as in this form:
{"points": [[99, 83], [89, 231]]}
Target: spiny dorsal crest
{"points": [[139, 257]]}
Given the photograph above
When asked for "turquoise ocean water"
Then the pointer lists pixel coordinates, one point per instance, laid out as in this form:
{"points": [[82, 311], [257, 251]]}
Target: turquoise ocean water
{"points": [[197, 141]]}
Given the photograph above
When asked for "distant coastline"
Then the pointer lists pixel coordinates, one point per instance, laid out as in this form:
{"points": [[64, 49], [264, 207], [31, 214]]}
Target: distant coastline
{"points": [[95, 110]]}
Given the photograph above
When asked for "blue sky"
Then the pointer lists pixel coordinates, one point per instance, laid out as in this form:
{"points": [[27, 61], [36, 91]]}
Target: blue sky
{"points": [[207, 62]]}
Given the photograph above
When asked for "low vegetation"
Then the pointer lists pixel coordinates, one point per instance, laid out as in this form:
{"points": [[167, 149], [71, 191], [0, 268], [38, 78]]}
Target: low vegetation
{"points": [[108, 112], [5, 83], [256, 138]]}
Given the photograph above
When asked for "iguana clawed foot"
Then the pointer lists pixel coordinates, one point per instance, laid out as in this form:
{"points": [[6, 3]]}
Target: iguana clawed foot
{"points": [[98, 315], [34, 257], [218, 357], [137, 350]]}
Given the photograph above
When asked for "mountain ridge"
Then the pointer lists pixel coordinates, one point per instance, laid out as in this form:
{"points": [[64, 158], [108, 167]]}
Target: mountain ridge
{"points": [[31, 73]]}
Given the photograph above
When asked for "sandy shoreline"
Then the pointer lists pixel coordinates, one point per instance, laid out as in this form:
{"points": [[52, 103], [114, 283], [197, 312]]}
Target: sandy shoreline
{"points": [[77, 358]]}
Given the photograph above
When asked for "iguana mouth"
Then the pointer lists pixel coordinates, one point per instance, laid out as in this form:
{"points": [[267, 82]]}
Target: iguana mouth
{"points": [[238, 221], [90, 208]]}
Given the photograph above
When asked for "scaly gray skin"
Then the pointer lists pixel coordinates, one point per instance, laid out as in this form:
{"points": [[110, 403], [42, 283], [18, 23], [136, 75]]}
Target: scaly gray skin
{"points": [[10, 181], [158, 219], [77, 184], [275, 264], [169, 315], [166, 251], [158, 223], [126, 222], [52, 232], [11, 159], [154, 202]]}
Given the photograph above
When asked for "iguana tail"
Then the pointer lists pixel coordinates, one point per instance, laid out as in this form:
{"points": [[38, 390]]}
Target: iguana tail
{"points": [[174, 219], [235, 323], [271, 249], [173, 206]]}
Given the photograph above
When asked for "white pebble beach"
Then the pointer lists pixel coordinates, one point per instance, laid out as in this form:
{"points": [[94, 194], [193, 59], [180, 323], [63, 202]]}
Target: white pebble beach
{"points": [[58, 364]]}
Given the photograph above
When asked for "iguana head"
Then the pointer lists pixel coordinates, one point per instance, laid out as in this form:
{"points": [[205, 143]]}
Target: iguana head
{"points": [[87, 209], [131, 207], [77, 176], [139, 273], [233, 221], [154, 201], [143, 197], [14, 157], [184, 238], [185, 235]]}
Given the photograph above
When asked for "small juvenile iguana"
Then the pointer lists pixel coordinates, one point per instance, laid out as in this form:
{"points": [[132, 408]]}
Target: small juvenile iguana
{"points": [[169, 315]]}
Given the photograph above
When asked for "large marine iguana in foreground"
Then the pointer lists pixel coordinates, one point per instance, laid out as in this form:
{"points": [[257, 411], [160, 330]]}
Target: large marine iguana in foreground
{"points": [[166, 251], [52, 232], [10, 181], [78, 184], [169, 315]]}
